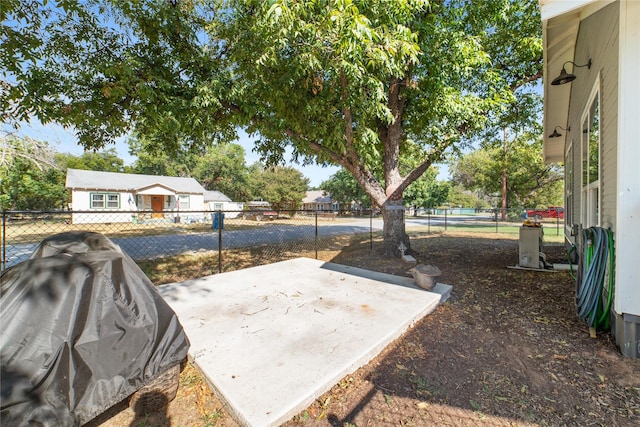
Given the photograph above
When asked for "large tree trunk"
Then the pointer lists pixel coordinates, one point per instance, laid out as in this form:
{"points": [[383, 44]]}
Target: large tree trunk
{"points": [[394, 230], [392, 209]]}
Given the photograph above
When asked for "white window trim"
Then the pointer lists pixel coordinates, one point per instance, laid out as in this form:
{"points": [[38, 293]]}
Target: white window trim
{"points": [[569, 198], [587, 203], [105, 200], [185, 197]]}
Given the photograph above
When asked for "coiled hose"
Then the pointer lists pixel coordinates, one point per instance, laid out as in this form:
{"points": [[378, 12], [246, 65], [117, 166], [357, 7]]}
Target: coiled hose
{"points": [[593, 299]]}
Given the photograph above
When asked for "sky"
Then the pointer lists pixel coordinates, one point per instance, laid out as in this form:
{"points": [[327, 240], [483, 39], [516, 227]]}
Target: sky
{"points": [[64, 141]]}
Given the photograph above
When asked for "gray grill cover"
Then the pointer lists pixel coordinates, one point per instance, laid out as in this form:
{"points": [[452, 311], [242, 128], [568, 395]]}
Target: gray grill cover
{"points": [[82, 329]]}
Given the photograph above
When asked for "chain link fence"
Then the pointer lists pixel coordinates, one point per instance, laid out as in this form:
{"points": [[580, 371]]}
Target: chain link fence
{"points": [[257, 237]]}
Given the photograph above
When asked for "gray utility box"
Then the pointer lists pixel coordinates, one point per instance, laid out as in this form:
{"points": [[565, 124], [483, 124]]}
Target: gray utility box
{"points": [[530, 247]]}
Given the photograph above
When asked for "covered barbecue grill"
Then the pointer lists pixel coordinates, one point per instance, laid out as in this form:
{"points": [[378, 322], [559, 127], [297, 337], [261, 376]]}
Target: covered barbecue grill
{"points": [[82, 329]]}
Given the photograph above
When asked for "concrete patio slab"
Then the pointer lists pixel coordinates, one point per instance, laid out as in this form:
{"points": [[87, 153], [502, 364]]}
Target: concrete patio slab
{"points": [[271, 339]]}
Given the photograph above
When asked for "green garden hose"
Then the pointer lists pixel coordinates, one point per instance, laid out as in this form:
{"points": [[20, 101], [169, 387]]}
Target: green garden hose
{"points": [[593, 300]]}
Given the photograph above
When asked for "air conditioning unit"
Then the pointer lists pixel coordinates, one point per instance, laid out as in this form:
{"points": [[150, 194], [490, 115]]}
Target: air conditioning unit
{"points": [[530, 247]]}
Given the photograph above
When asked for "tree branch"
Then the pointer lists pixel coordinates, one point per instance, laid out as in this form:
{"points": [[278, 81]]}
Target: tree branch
{"points": [[524, 80]]}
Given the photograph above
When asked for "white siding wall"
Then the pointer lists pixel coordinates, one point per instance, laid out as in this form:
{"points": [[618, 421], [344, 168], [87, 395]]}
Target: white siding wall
{"points": [[598, 41], [196, 202], [232, 209], [601, 38], [81, 201], [628, 197]]}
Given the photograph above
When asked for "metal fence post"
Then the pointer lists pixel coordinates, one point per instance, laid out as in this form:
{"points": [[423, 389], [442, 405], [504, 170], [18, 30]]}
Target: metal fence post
{"points": [[4, 238], [316, 236], [445, 219], [220, 225], [496, 216], [371, 228]]}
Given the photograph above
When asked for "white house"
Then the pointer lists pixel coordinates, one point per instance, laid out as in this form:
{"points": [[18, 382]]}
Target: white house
{"points": [[216, 201], [318, 200], [592, 124], [133, 197]]}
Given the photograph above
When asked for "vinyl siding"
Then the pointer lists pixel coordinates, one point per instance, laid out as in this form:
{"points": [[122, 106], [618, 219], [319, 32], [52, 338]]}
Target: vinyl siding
{"points": [[597, 40]]}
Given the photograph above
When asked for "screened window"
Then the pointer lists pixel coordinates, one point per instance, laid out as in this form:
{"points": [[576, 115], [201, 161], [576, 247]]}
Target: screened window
{"points": [[590, 154], [105, 200], [184, 201], [568, 185]]}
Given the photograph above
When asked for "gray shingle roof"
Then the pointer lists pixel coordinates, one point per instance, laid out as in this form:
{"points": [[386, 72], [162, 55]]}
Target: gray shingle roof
{"points": [[114, 181], [215, 196], [316, 196]]}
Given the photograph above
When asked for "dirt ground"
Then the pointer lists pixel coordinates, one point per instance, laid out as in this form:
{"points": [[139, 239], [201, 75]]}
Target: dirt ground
{"points": [[507, 349]]}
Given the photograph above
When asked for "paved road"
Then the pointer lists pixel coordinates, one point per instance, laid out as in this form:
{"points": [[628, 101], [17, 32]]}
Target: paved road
{"points": [[143, 247], [270, 234]]}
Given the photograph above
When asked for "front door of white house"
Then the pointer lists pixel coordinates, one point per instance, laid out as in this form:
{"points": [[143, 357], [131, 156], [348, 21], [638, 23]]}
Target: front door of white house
{"points": [[156, 206]]}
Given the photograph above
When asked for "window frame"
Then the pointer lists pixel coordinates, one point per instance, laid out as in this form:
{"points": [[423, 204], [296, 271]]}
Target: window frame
{"points": [[591, 211], [106, 203], [182, 197], [569, 165]]}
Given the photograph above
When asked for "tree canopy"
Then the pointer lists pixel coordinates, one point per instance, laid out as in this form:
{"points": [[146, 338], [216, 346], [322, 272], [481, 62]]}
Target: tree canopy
{"points": [[106, 160], [348, 82], [282, 186], [223, 168], [29, 176], [344, 189], [531, 182]]}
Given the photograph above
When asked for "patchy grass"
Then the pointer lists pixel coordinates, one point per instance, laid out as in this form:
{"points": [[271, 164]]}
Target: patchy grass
{"points": [[189, 266]]}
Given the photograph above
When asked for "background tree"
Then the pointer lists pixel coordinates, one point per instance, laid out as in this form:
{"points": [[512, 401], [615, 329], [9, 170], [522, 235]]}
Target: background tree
{"points": [[106, 161], [523, 117], [531, 181], [14, 147], [25, 187], [427, 191], [344, 189], [458, 196], [344, 82], [223, 168], [219, 167], [29, 177], [283, 187], [152, 159]]}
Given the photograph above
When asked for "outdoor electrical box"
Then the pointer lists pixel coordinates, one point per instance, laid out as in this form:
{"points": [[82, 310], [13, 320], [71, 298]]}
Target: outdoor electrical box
{"points": [[530, 246]]}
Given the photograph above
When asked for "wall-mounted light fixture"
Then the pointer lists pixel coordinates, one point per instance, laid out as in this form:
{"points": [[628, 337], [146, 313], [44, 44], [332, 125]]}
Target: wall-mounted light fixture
{"points": [[557, 134], [565, 77]]}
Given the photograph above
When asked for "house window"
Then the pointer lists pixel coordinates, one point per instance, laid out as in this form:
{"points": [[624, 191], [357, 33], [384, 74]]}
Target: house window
{"points": [[105, 200], [183, 201], [217, 206], [590, 156], [568, 186]]}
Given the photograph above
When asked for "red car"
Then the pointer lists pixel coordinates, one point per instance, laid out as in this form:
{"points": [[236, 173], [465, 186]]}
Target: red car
{"points": [[550, 212]]}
